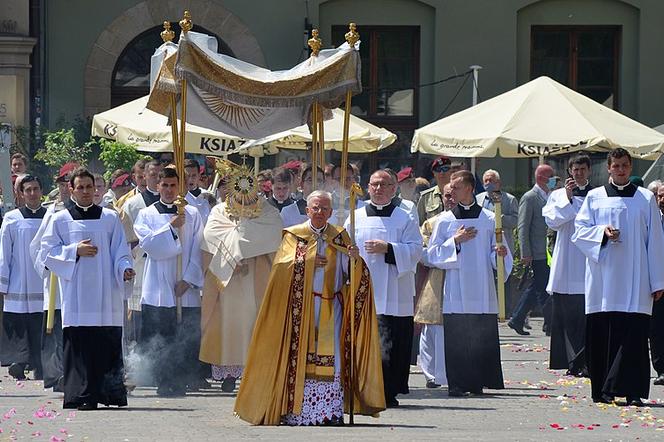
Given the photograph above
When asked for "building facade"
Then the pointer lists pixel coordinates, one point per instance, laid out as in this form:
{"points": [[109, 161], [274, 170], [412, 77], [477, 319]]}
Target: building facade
{"points": [[93, 55]]}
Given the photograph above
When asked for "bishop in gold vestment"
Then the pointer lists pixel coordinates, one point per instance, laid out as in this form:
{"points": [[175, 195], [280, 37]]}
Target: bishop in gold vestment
{"points": [[298, 367]]}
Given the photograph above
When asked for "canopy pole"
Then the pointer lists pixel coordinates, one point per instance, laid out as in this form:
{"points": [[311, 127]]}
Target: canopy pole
{"points": [[314, 145], [352, 37], [257, 165], [500, 260], [476, 70], [321, 139], [178, 155]]}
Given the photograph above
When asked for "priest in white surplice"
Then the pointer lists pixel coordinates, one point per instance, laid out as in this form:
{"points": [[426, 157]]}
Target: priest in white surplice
{"points": [[464, 244], [51, 343], [165, 237], [568, 269], [429, 310], [391, 244], [128, 214], [85, 246], [21, 286], [618, 229]]}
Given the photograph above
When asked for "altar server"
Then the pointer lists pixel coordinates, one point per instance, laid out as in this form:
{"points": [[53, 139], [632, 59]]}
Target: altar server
{"points": [[618, 229], [463, 243], [568, 269], [166, 236], [86, 248], [391, 244], [20, 343], [296, 213]]}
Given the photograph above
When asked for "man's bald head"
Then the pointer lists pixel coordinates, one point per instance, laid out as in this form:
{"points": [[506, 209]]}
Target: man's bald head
{"points": [[542, 174]]}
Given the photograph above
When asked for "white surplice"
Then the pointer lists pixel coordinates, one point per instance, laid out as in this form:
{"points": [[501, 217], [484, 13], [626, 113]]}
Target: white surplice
{"points": [[568, 264], [128, 215], [469, 282], [38, 257], [201, 203], [393, 284], [162, 245], [92, 288], [291, 216], [621, 276], [19, 281]]}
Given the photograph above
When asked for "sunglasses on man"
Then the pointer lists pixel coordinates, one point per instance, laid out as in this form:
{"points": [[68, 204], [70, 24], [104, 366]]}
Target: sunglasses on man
{"points": [[439, 168]]}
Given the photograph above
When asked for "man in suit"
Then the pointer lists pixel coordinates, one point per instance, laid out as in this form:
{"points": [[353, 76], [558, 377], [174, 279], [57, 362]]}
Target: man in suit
{"points": [[532, 240]]}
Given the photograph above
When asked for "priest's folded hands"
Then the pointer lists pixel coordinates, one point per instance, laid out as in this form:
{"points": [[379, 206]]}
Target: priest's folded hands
{"points": [[86, 248], [375, 246], [464, 234]]}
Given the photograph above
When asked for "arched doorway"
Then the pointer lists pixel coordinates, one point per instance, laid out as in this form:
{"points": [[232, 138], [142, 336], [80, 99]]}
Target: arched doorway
{"points": [[131, 75]]}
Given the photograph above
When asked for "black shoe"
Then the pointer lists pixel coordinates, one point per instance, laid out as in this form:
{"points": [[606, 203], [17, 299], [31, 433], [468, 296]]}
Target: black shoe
{"points": [[86, 406], [634, 402], [432, 384], [604, 399], [228, 384], [477, 391], [392, 403], [659, 380], [518, 329], [457, 392], [17, 371], [334, 421]]}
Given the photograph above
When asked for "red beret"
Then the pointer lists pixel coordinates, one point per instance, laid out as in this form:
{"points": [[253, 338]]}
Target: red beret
{"points": [[65, 171], [293, 164], [404, 174], [121, 181], [440, 161]]}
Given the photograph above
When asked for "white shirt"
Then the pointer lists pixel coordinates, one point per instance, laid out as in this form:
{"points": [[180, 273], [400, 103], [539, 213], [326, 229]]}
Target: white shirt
{"points": [[291, 216], [92, 288], [394, 284], [469, 282], [621, 276], [39, 258], [22, 285], [162, 245], [568, 264]]}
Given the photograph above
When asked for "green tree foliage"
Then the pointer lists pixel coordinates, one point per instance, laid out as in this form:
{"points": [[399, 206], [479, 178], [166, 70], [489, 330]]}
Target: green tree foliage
{"points": [[61, 147], [116, 155]]}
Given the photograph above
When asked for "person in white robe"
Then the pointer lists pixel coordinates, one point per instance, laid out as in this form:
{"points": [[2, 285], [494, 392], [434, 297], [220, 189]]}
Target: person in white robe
{"points": [[464, 244], [51, 343], [128, 214], [166, 237], [86, 248], [568, 269], [391, 244], [197, 197], [429, 308], [618, 229], [20, 285], [296, 213]]}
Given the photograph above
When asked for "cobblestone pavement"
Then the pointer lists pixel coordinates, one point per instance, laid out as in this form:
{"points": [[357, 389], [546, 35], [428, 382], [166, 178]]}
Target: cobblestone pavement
{"points": [[537, 404]]}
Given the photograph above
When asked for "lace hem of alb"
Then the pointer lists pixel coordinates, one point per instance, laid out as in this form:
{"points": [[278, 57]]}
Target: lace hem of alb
{"points": [[322, 400], [221, 372]]}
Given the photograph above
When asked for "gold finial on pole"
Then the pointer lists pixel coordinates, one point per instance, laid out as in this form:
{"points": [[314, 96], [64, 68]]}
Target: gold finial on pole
{"points": [[167, 34], [186, 23], [315, 43], [352, 36]]}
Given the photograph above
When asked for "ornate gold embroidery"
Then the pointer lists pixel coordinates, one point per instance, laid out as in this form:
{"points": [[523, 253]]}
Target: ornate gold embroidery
{"points": [[297, 294], [238, 116]]}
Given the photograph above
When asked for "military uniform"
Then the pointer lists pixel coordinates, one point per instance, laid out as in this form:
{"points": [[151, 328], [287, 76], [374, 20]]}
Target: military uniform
{"points": [[430, 204]]}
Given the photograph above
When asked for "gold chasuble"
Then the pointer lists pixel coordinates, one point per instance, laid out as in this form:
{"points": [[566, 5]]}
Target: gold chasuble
{"points": [[286, 346]]}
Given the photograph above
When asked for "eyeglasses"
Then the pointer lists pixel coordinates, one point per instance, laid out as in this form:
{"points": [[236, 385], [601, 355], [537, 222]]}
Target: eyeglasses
{"points": [[376, 185], [441, 169]]}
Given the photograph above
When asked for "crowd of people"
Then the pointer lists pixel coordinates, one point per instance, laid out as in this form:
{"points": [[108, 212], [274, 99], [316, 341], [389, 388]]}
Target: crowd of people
{"points": [[316, 297]]}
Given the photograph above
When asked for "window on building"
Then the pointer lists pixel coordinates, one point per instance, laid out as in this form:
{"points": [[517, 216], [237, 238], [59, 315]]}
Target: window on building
{"points": [[131, 75], [584, 58], [390, 78]]}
